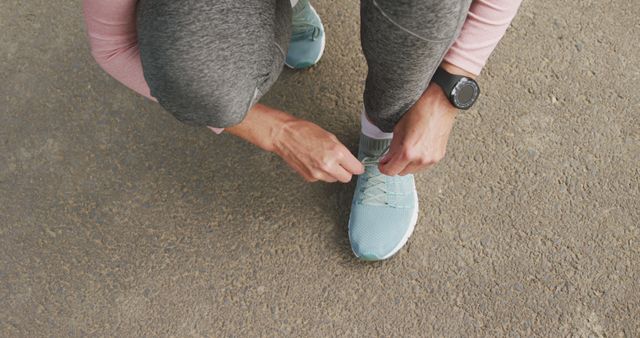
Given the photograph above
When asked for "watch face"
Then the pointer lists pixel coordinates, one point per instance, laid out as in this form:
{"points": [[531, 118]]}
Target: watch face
{"points": [[465, 93]]}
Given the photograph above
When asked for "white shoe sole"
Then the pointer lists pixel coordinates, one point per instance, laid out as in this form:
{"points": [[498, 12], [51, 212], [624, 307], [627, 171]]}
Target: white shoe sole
{"points": [[405, 238], [323, 42]]}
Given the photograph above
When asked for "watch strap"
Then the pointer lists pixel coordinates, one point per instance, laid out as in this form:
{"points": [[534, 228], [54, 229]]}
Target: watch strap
{"points": [[445, 80]]}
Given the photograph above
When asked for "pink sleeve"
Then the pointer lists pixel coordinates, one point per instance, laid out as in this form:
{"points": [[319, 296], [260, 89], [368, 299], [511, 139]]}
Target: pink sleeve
{"points": [[486, 24], [111, 29]]}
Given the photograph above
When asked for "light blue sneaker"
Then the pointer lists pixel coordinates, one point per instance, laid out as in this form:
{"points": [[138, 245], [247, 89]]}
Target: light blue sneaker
{"points": [[307, 38], [384, 210]]}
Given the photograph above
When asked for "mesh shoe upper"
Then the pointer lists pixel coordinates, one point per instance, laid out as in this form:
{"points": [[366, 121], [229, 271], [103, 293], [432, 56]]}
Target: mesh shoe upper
{"points": [[384, 208], [307, 39]]}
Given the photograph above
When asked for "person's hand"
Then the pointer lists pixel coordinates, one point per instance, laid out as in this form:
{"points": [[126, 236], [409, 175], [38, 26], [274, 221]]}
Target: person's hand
{"points": [[420, 137], [314, 153]]}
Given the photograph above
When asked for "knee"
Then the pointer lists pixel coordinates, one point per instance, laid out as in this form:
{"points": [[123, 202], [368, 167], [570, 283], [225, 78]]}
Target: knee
{"points": [[191, 80], [218, 112], [191, 88], [199, 98]]}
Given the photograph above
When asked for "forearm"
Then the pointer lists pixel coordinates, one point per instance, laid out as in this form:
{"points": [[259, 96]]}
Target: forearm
{"points": [[261, 126]]}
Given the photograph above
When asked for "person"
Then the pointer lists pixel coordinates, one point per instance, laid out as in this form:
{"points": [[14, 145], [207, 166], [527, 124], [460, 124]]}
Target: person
{"points": [[208, 62]]}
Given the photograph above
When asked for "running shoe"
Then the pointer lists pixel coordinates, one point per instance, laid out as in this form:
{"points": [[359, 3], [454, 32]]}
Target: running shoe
{"points": [[307, 38], [384, 210]]}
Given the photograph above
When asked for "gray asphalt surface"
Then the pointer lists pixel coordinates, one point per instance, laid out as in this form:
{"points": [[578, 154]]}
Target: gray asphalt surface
{"points": [[115, 219]]}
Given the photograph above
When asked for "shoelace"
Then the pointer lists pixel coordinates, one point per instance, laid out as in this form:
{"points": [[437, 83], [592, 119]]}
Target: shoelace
{"points": [[302, 28], [375, 191]]}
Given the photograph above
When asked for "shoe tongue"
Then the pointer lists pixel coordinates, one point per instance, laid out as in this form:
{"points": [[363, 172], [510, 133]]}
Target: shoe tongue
{"points": [[373, 147]]}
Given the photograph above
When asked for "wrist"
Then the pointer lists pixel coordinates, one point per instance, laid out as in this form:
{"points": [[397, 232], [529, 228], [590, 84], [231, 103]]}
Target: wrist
{"points": [[279, 130], [261, 126], [457, 85], [437, 99]]}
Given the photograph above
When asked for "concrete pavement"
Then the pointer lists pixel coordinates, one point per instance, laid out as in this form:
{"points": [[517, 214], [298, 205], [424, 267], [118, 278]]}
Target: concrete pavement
{"points": [[117, 220]]}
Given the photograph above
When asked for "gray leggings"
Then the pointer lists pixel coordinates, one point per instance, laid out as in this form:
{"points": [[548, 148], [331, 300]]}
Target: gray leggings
{"points": [[208, 61]]}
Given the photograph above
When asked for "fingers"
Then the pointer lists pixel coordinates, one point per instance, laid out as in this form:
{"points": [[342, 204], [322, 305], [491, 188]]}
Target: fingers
{"points": [[307, 174], [318, 155], [413, 168], [350, 162], [331, 175], [327, 178], [341, 167], [328, 174], [342, 174], [421, 163], [393, 164], [404, 163], [333, 171], [318, 175]]}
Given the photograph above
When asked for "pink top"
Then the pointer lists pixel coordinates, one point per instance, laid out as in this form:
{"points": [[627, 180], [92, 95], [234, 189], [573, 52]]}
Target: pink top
{"points": [[111, 27], [486, 24]]}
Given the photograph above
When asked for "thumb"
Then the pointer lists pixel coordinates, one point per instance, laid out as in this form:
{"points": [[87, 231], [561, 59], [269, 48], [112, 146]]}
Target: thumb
{"points": [[386, 158], [393, 148]]}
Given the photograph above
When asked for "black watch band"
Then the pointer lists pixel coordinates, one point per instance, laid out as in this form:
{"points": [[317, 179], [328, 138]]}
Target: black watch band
{"points": [[446, 80], [461, 91]]}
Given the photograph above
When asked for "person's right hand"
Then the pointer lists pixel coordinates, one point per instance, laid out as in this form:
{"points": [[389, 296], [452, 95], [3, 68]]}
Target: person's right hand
{"points": [[313, 152], [316, 154]]}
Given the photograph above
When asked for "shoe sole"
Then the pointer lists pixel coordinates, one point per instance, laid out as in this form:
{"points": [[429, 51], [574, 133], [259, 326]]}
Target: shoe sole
{"points": [[323, 42], [405, 238]]}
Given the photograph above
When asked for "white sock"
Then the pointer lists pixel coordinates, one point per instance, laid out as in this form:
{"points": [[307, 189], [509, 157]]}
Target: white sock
{"points": [[293, 3], [370, 130]]}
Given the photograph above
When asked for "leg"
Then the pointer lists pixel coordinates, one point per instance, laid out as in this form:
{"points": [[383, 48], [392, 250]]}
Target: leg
{"points": [[208, 61], [404, 43]]}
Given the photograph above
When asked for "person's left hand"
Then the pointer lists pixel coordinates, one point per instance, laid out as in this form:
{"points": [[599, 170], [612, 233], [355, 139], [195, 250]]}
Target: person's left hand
{"points": [[420, 137]]}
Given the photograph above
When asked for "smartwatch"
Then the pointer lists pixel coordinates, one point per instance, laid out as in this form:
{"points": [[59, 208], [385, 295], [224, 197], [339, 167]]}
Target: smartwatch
{"points": [[461, 91]]}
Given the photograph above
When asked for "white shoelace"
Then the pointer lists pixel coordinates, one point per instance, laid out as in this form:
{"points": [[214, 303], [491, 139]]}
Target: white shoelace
{"points": [[375, 191]]}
